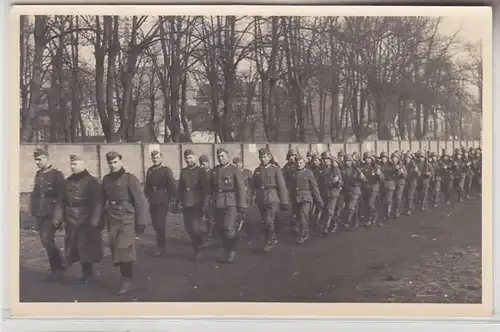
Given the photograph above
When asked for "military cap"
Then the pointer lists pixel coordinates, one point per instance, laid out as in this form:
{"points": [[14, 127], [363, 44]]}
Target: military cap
{"points": [[383, 154], [237, 160], [309, 154], [291, 152], [203, 158], [299, 157], [407, 155], [326, 155], [40, 152], [112, 155], [188, 152], [155, 153], [395, 154], [348, 157], [75, 157], [220, 150], [264, 152]]}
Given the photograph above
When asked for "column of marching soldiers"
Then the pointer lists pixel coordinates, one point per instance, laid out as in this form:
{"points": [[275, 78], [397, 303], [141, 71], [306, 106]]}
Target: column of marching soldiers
{"points": [[325, 191]]}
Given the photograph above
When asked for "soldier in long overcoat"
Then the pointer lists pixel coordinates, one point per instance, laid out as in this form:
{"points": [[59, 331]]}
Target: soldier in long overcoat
{"points": [[125, 214], [370, 187], [82, 205], [160, 190], [353, 178], [287, 172], [304, 192], [330, 184], [46, 207], [413, 176], [436, 180], [193, 196], [270, 192], [400, 182], [228, 197]]}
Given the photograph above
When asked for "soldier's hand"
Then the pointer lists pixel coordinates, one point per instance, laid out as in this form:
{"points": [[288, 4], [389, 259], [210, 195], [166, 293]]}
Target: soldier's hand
{"points": [[140, 229], [57, 223], [283, 207]]}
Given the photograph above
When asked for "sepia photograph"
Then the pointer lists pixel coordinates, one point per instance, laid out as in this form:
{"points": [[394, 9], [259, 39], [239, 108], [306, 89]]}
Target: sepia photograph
{"points": [[244, 157]]}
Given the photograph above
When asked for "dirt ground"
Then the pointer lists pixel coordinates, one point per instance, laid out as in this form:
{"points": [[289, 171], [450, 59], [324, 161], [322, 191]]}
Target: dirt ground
{"points": [[429, 257]]}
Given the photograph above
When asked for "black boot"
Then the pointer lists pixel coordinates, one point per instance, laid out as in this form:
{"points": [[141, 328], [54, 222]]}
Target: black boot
{"points": [[271, 240], [126, 284], [87, 271]]}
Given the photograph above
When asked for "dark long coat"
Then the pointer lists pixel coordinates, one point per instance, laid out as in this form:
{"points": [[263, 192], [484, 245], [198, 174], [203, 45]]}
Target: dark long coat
{"points": [[125, 208], [82, 204]]}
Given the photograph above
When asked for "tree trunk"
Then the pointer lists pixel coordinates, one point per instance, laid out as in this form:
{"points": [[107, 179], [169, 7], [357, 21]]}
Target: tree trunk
{"points": [[29, 126]]}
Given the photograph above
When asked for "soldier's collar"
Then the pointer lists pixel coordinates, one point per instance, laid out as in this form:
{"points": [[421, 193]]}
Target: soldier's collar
{"points": [[46, 169]]}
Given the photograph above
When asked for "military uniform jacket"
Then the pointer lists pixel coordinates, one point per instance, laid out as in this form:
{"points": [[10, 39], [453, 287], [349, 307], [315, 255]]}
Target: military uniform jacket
{"points": [[227, 186], [160, 185], [193, 186], [477, 166], [426, 170], [467, 167], [316, 171], [330, 182], [458, 169], [438, 173], [391, 174], [47, 195], [372, 178], [82, 201], [353, 177], [123, 198], [412, 171], [269, 185], [304, 187]]}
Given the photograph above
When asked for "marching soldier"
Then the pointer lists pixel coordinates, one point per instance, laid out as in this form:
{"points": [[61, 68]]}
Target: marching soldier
{"points": [[247, 179], [308, 158], [436, 179], [477, 168], [287, 172], [459, 171], [330, 184], [193, 196], [304, 193], [228, 195], [82, 204], [160, 190], [210, 235], [125, 214], [447, 175], [469, 173], [270, 193], [315, 166], [413, 176], [400, 181], [371, 187], [46, 207], [390, 172], [353, 177], [426, 172]]}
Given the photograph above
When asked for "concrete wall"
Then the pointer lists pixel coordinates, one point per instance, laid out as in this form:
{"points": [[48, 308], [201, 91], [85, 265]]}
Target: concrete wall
{"points": [[136, 156]]}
